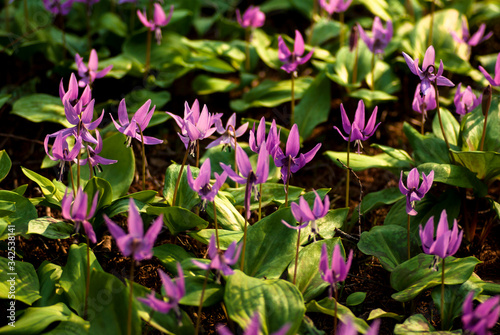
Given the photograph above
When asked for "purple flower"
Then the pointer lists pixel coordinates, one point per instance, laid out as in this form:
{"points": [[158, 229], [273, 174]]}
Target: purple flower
{"points": [[474, 39], [77, 211], [174, 292], [93, 155], [252, 17], [137, 124], [89, 73], [229, 133], [413, 192], [72, 94], [60, 149], [335, 6], [466, 101], [303, 213], [201, 185], [447, 241], [135, 243], [58, 7], [422, 104], [258, 139], [81, 118], [380, 36], [220, 262], [427, 75], [253, 328], [358, 132], [482, 318], [496, 81], [293, 59], [349, 328], [289, 159], [248, 176], [159, 20], [338, 270]]}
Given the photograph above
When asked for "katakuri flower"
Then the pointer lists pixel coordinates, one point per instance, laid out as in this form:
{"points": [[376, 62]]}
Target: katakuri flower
{"points": [[78, 211], [253, 17], [473, 40], [380, 36], [253, 328], [135, 243], [89, 73], [137, 124], [174, 291], [304, 215], [220, 262], [466, 101], [159, 20], [446, 242], [358, 132], [422, 104], [293, 59], [229, 133], [427, 75], [496, 81], [81, 118], [258, 139], [413, 191], [291, 160], [57, 7], [93, 155], [60, 149], [481, 319], [335, 6], [338, 270], [201, 185], [72, 94]]}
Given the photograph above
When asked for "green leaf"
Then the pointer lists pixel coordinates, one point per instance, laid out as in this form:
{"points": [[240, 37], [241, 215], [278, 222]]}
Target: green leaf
{"points": [[374, 200], [277, 302], [378, 8], [204, 84], [186, 197], [416, 275], [18, 281], [41, 108], [398, 154], [5, 164], [355, 298], [122, 65], [415, 324], [372, 96], [327, 306], [171, 254], [328, 224], [25, 211], [486, 164], [51, 228], [178, 219], [137, 98], [471, 130], [262, 44], [427, 148], [214, 292], [385, 80], [49, 275], [363, 162], [101, 186], [271, 193], [113, 22], [450, 125], [49, 190], [324, 30], [380, 313], [7, 208], [228, 216], [226, 237]]}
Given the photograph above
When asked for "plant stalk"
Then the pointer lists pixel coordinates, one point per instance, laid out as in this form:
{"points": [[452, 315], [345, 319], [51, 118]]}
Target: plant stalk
{"points": [[442, 293], [336, 309], [130, 298], [216, 226], [441, 122], [348, 176], [423, 121], [292, 112], [72, 179], [373, 71], [355, 67], [408, 237], [198, 320], [296, 256], [197, 153], [485, 107], [143, 154], [248, 193], [87, 281], [260, 201], [179, 178], [288, 180]]}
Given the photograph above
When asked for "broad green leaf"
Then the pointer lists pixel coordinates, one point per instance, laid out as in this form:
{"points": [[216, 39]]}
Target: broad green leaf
{"points": [[122, 65], [7, 208], [324, 30], [380, 313], [204, 84], [4, 98], [49, 190], [327, 225], [171, 254], [214, 292], [398, 154], [374, 200], [363, 162], [178, 219], [277, 302], [18, 281], [327, 306], [262, 44], [427, 148], [74, 276], [486, 164], [51, 228], [41, 108], [385, 80], [186, 197], [228, 216], [117, 207], [102, 188], [372, 96], [471, 130], [271, 193], [266, 255], [113, 22], [379, 8], [226, 237], [418, 324], [450, 125], [341, 71], [5, 164], [355, 298], [48, 276], [416, 275], [389, 244], [25, 211]]}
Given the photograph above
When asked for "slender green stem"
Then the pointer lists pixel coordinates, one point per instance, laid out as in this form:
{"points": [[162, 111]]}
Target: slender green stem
{"points": [[292, 113], [288, 180], [130, 298], [431, 27], [423, 122], [348, 176], [78, 170], [260, 201], [481, 147], [91, 172], [355, 67], [373, 72], [148, 53], [408, 237], [235, 157], [216, 226], [87, 281], [247, 49], [296, 256], [336, 309], [179, 178], [72, 179], [442, 293], [143, 154], [441, 122], [198, 320], [244, 231]]}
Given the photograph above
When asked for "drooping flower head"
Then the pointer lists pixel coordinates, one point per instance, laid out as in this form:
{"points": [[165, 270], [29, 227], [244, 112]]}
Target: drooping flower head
{"points": [[496, 81], [258, 138], [427, 75], [159, 20], [57, 7], [446, 242], [253, 328], [358, 132], [466, 101], [174, 292], [338, 270], [201, 185], [291, 160], [220, 262], [475, 39], [253, 17], [78, 211], [481, 319], [60, 149], [135, 243], [93, 155], [228, 133], [380, 36], [303, 213], [89, 73], [72, 94], [293, 59], [422, 104], [413, 191], [335, 6]]}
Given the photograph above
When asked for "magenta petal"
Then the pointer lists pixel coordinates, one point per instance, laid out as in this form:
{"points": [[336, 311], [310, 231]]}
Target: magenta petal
{"points": [[134, 221]]}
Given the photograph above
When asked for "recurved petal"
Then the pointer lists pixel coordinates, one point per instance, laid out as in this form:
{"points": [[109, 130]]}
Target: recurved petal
{"points": [[283, 52], [411, 63], [298, 47], [429, 58], [134, 221], [143, 18], [114, 229]]}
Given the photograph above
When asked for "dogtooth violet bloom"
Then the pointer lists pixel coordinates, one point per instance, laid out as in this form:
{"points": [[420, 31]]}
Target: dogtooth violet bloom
{"points": [[422, 104], [220, 262], [79, 212], [348, 328], [174, 292], [229, 133], [60, 149], [380, 36], [201, 185], [427, 75], [446, 242], [482, 318], [253, 17], [293, 59], [496, 81], [413, 191], [466, 101], [89, 73], [248, 176], [159, 20], [291, 158], [475, 39], [304, 215], [335, 6], [72, 93], [253, 328], [135, 243], [357, 131], [258, 139], [93, 155], [338, 270], [58, 7], [138, 123]]}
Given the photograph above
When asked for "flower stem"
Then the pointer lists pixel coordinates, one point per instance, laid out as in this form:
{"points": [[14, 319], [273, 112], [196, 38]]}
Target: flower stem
{"points": [[288, 180], [292, 112], [78, 171], [441, 122], [216, 226], [260, 201], [408, 236], [348, 173], [485, 106], [143, 154], [296, 256], [355, 67], [336, 308], [373, 71], [442, 293], [179, 178], [201, 304], [431, 27], [244, 233], [148, 53], [87, 281], [130, 298], [72, 180]]}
